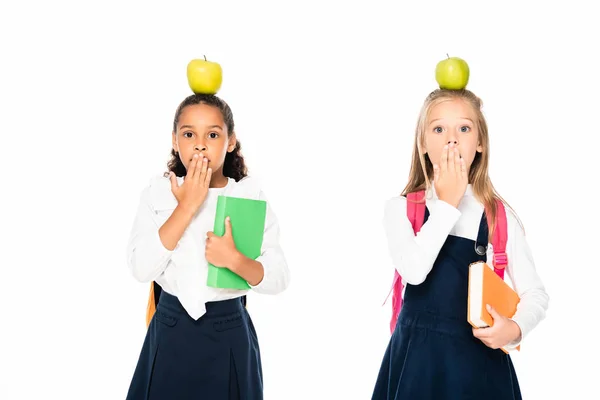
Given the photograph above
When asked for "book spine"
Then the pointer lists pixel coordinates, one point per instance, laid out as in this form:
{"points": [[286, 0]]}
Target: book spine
{"points": [[219, 225]]}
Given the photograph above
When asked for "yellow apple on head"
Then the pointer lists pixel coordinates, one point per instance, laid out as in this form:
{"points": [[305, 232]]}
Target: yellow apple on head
{"points": [[204, 77], [452, 73]]}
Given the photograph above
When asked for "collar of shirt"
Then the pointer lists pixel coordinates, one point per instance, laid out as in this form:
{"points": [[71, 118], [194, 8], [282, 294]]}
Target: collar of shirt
{"points": [[162, 197], [432, 194]]}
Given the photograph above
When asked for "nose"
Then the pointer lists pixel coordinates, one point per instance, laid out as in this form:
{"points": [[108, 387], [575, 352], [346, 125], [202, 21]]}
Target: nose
{"points": [[200, 148], [452, 137]]}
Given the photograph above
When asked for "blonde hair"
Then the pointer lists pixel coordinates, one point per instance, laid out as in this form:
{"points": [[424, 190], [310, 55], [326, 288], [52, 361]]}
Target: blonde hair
{"points": [[421, 170]]}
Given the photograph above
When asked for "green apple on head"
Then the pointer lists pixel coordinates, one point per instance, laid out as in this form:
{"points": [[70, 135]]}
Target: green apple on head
{"points": [[204, 77], [452, 73]]}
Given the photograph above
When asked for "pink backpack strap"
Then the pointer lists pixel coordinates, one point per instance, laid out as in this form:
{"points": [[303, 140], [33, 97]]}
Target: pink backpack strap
{"points": [[499, 239], [415, 211]]}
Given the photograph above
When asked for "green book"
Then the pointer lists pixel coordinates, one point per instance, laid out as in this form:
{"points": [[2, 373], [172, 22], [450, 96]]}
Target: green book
{"points": [[247, 218]]}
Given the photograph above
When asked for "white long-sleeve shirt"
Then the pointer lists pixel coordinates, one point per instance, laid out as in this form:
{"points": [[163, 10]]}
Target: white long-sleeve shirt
{"points": [[183, 271], [414, 256]]}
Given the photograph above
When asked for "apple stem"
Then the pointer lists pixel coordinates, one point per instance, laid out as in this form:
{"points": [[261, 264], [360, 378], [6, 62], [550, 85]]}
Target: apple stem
{"points": [[205, 58], [447, 56]]}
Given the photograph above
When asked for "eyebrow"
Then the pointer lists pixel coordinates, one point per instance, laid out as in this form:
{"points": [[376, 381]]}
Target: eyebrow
{"points": [[439, 119], [192, 127]]}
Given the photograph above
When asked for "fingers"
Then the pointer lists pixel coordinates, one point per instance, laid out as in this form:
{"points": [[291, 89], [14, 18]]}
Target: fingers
{"points": [[227, 226], [452, 155], [192, 166], [204, 171], [457, 160], [460, 165], [481, 333], [207, 177], [485, 335], [451, 162], [201, 168], [444, 161], [495, 314], [436, 173]]}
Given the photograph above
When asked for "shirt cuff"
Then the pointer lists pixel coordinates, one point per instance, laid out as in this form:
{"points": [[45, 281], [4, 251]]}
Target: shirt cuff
{"points": [[265, 278], [447, 210], [275, 273], [515, 343]]}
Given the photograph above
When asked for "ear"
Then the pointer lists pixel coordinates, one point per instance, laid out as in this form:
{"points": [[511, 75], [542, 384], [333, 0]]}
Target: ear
{"points": [[174, 142], [232, 143], [479, 148]]}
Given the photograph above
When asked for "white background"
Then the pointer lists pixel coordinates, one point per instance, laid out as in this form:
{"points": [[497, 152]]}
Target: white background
{"points": [[325, 97]]}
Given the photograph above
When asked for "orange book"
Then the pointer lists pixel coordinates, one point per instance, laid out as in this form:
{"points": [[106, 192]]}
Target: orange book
{"points": [[151, 308], [486, 287]]}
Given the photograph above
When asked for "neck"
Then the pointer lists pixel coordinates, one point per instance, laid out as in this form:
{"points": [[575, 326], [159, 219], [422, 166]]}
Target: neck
{"points": [[218, 180]]}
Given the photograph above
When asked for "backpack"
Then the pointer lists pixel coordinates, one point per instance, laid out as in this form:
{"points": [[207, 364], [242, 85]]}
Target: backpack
{"points": [[415, 210], [154, 296]]}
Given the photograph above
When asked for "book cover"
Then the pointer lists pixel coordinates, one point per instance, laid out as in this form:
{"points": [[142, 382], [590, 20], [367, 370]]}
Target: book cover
{"points": [[247, 227], [486, 287]]}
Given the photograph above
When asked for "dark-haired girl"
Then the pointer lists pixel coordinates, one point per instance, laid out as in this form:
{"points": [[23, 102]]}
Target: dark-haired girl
{"points": [[201, 343]]}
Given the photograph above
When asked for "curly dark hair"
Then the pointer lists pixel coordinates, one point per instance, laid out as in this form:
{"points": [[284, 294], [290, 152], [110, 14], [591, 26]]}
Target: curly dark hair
{"points": [[234, 165]]}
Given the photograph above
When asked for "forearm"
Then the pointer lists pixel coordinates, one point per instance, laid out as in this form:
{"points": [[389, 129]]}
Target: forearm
{"points": [[174, 227], [250, 270]]}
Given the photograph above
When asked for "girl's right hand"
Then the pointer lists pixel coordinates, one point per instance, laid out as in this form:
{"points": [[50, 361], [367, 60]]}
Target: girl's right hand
{"points": [[192, 193], [451, 177]]}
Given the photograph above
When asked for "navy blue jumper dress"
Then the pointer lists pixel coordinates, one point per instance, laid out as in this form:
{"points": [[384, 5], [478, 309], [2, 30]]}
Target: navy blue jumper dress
{"points": [[216, 357], [432, 354]]}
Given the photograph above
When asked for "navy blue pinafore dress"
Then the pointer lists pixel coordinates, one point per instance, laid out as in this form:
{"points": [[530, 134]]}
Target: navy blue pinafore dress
{"points": [[432, 354], [216, 357]]}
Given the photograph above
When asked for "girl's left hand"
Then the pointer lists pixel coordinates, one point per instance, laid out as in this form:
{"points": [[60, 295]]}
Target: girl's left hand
{"points": [[220, 250], [503, 332]]}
